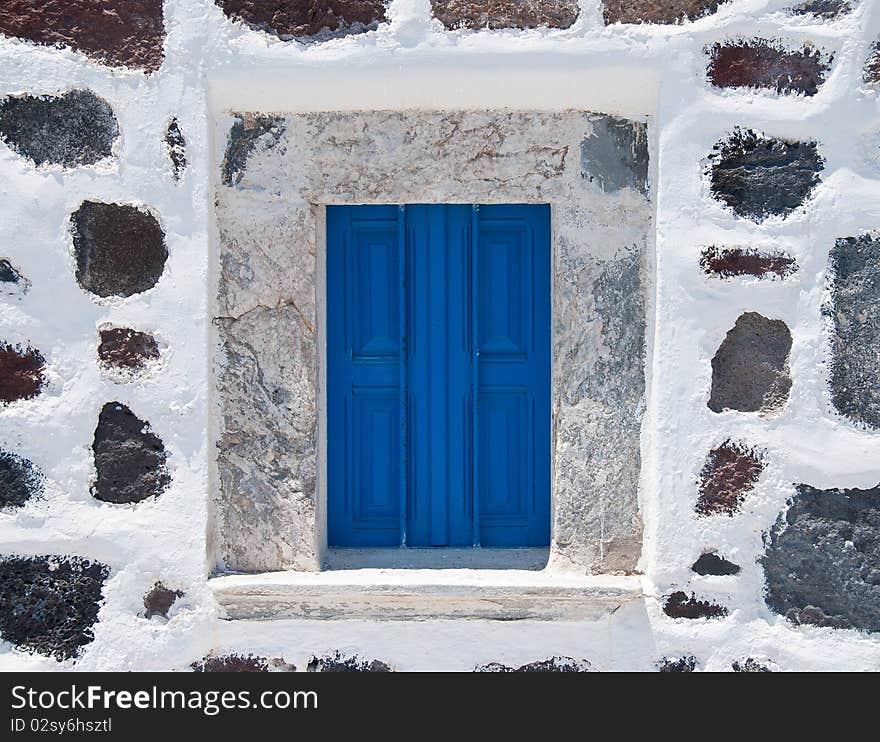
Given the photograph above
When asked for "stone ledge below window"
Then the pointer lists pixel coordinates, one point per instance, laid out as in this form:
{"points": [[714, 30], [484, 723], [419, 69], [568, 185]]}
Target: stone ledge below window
{"points": [[407, 594]]}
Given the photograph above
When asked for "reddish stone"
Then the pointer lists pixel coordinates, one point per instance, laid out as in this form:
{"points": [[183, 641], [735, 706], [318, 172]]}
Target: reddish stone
{"points": [[21, 373], [762, 64], [679, 605], [159, 600], [476, 14], [289, 19], [737, 261], [658, 11], [730, 472], [127, 349], [127, 33]]}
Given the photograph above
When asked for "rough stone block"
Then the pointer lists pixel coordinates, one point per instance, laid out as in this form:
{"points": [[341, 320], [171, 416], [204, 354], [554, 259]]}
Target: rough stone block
{"points": [[307, 19], [476, 14], [126, 349], [728, 262], [20, 480], [679, 605], [616, 154], [750, 371], [758, 177], [679, 664], [712, 564], [339, 662], [48, 604], [129, 458], [825, 9], [759, 63], [553, 664], [658, 11], [158, 601], [822, 559], [729, 474], [249, 132], [127, 33], [21, 373], [76, 128], [176, 145], [855, 318], [120, 249]]}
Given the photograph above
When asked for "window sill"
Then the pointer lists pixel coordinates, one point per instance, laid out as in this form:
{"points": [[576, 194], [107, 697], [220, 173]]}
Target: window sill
{"points": [[420, 594]]}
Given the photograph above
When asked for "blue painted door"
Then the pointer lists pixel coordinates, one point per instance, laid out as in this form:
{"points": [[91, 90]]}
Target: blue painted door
{"points": [[438, 375]]}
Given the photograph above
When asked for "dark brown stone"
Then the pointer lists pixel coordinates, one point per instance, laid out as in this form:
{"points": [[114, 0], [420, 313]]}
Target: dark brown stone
{"points": [[48, 604], [295, 19], [750, 371], [729, 474], [476, 14], [127, 33], [712, 564], [658, 11], [728, 262], [872, 68], [679, 605], [176, 144], [338, 662], [120, 249], [129, 457], [127, 349], [759, 63], [20, 480], [159, 600], [21, 373], [824, 9]]}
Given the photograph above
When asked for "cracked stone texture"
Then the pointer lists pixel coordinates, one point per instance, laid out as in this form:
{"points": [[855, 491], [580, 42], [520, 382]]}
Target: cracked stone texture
{"points": [[119, 249], [759, 63], [758, 177], [129, 458], [823, 8], [750, 370], [20, 480], [158, 601], [126, 349], [248, 133], [553, 664], [128, 33], [21, 373], [476, 14], [175, 143], [728, 262], [339, 662], [48, 604], [712, 564], [822, 559], [307, 19], [854, 315], [76, 128], [658, 11], [679, 664], [729, 474], [679, 605], [265, 513], [616, 155]]}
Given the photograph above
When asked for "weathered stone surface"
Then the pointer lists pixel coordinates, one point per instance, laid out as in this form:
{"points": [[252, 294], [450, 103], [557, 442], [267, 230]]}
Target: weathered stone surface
{"points": [[854, 313], [48, 604], [728, 262], [267, 367], [679, 664], [822, 8], [304, 19], [76, 128], [126, 349], [759, 177], [872, 67], [176, 145], [552, 664], [21, 373], [120, 249], [12, 283], [658, 11], [475, 14], [127, 33], [158, 601], [822, 559], [758, 63], [240, 663], [749, 664], [339, 662], [729, 474], [712, 564], [679, 605], [129, 458], [615, 154], [249, 132], [750, 370], [20, 480]]}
